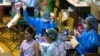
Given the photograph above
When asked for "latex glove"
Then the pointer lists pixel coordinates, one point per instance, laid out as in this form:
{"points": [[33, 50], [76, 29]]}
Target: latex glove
{"points": [[76, 33], [41, 48], [18, 5], [24, 5]]}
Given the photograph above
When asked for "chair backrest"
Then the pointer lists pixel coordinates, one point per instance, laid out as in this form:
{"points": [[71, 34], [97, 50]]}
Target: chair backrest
{"points": [[70, 22], [55, 13], [60, 21], [57, 3], [92, 54]]}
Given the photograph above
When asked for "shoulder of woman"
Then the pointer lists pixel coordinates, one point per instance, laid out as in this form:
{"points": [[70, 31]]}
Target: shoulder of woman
{"points": [[23, 41], [36, 42]]}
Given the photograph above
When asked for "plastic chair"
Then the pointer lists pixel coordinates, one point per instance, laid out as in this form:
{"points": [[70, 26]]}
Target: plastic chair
{"points": [[19, 26], [55, 13], [21, 21], [70, 22], [59, 21]]}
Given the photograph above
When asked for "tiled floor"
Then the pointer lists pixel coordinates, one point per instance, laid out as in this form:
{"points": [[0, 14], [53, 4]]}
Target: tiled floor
{"points": [[7, 43]]}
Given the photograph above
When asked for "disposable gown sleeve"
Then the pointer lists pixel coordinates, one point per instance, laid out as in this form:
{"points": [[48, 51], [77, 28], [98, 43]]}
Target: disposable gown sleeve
{"points": [[92, 41], [77, 38], [53, 24], [43, 53], [30, 20], [60, 51]]}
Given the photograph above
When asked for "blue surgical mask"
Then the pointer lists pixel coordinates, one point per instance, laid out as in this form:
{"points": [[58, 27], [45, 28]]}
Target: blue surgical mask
{"points": [[85, 26]]}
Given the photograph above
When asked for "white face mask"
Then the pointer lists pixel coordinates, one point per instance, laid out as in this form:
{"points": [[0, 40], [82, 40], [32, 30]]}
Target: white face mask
{"points": [[44, 20], [85, 26]]}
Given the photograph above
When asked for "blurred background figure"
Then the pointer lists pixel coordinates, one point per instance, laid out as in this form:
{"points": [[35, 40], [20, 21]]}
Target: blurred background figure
{"points": [[32, 7], [39, 23], [48, 5]]}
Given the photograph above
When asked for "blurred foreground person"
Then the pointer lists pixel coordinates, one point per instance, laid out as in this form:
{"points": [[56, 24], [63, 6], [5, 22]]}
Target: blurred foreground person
{"points": [[39, 23]]}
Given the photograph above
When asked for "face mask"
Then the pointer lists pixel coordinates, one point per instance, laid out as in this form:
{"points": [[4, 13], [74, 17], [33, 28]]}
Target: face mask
{"points": [[44, 20], [27, 37], [85, 26]]}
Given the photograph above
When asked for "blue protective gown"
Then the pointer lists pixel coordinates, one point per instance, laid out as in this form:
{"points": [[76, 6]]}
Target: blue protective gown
{"points": [[51, 49], [88, 42], [38, 23]]}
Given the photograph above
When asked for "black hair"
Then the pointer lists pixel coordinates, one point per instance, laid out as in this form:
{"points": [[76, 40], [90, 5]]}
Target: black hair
{"points": [[12, 3], [31, 30]]}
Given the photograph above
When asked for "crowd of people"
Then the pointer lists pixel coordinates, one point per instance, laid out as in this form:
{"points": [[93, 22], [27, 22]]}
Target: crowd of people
{"points": [[89, 39]]}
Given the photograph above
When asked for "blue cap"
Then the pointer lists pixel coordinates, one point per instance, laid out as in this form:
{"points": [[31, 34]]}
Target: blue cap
{"points": [[92, 20], [52, 33]]}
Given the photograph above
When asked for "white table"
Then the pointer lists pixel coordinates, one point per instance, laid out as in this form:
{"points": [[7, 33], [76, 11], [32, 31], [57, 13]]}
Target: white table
{"points": [[78, 5], [5, 4]]}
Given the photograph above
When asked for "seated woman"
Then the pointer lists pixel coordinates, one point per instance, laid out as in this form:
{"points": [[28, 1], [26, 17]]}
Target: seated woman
{"points": [[89, 40], [29, 46]]}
